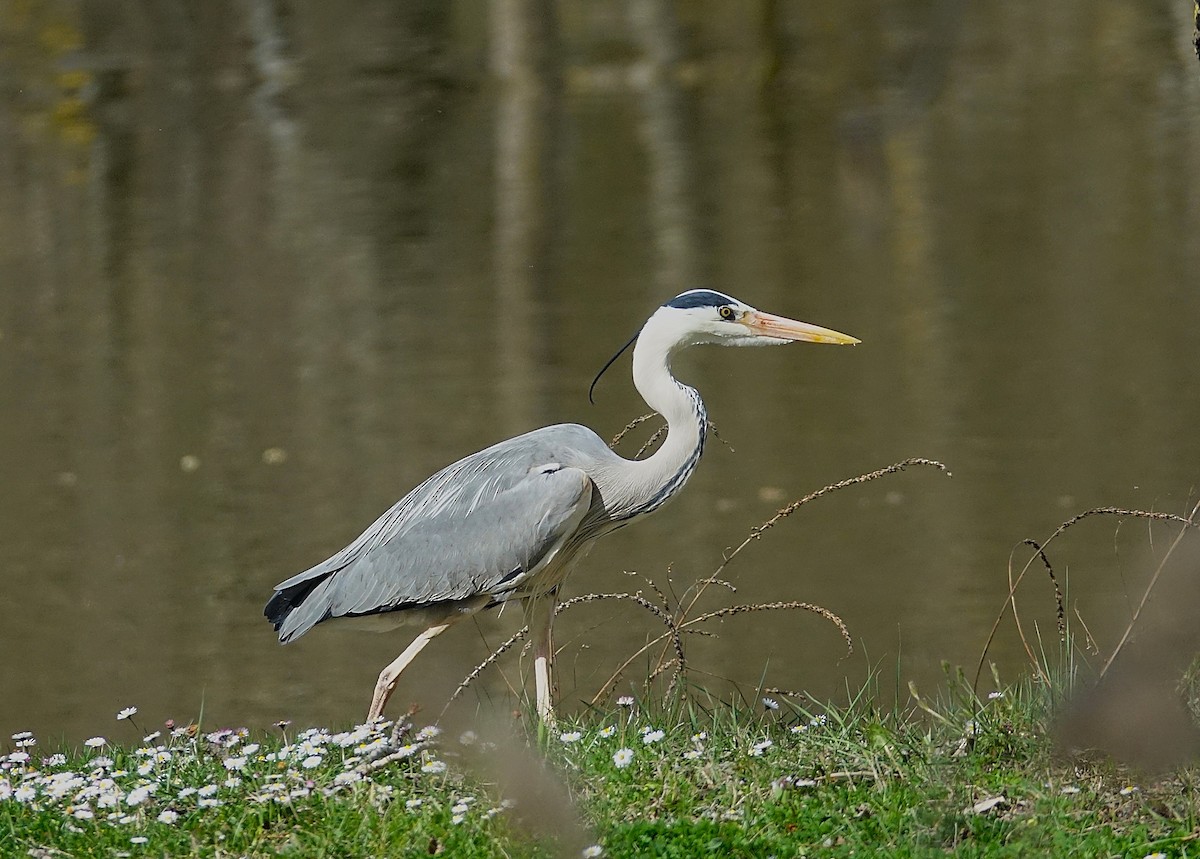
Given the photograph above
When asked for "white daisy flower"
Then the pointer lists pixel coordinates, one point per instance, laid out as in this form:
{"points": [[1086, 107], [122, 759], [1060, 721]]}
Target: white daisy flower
{"points": [[139, 795], [623, 758], [124, 714], [108, 799], [758, 748]]}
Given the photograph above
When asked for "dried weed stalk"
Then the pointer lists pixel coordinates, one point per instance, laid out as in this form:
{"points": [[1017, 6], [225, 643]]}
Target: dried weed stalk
{"points": [[1059, 603], [757, 532], [658, 433], [1010, 601]]}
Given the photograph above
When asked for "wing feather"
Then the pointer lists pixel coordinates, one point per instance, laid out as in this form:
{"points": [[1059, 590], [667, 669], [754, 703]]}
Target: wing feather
{"points": [[480, 525]]}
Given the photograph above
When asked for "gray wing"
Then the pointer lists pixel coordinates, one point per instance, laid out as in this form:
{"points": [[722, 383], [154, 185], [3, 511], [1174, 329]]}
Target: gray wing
{"points": [[480, 526]]}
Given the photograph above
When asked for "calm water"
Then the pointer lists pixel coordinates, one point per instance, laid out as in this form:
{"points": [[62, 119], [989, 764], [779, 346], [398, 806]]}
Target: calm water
{"points": [[260, 274]]}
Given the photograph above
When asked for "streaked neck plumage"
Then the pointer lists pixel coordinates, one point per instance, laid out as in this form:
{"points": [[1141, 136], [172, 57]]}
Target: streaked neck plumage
{"points": [[642, 486]]}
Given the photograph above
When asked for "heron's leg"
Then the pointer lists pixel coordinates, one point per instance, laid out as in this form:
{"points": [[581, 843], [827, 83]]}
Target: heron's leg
{"points": [[541, 619], [387, 677]]}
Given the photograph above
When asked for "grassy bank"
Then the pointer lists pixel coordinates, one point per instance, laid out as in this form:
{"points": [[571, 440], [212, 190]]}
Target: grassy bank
{"points": [[976, 777]]}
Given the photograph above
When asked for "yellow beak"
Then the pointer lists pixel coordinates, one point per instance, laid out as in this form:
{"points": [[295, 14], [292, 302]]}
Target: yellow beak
{"points": [[770, 325]]}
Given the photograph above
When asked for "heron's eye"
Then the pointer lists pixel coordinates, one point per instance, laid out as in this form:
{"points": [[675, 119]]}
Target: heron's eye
{"points": [[726, 312]]}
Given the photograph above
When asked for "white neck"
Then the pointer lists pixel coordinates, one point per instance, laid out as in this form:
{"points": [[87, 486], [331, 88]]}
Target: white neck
{"points": [[647, 484]]}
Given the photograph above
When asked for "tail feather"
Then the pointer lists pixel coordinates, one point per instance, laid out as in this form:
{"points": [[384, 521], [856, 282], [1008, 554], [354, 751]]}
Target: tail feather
{"points": [[288, 599]]}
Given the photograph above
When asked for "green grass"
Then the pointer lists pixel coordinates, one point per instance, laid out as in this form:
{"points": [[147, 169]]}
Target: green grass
{"points": [[849, 781]]}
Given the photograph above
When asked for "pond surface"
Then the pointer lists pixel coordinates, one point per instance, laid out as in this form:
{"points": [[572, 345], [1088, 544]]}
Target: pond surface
{"points": [[264, 269]]}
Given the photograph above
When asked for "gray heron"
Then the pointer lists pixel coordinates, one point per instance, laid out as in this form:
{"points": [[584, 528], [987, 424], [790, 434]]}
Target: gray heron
{"points": [[509, 522]]}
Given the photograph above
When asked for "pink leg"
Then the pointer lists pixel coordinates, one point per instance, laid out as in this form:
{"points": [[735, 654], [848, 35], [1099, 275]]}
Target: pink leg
{"points": [[387, 677], [541, 617]]}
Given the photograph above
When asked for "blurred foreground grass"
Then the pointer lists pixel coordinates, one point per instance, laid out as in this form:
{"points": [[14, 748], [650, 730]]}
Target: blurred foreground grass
{"points": [[962, 775]]}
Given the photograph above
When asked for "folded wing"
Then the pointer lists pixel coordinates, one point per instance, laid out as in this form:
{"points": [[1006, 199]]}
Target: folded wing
{"points": [[483, 525]]}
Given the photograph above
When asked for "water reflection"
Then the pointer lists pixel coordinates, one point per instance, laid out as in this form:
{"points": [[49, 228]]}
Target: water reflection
{"points": [[376, 241], [526, 65]]}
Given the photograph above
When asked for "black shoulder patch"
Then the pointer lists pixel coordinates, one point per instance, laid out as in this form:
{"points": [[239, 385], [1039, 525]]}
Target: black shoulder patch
{"points": [[699, 298]]}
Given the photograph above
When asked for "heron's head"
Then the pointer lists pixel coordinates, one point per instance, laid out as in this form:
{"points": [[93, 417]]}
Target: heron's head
{"points": [[705, 316], [701, 316]]}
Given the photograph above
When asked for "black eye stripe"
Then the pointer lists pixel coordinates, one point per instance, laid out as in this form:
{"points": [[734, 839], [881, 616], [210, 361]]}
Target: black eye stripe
{"points": [[699, 298]]}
